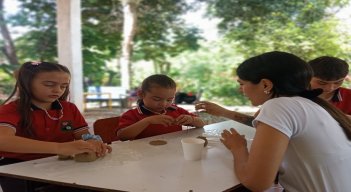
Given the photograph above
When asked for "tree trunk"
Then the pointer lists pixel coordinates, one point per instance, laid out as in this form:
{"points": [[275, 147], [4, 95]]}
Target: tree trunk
{"points": [[8, 49], [129, 28]]}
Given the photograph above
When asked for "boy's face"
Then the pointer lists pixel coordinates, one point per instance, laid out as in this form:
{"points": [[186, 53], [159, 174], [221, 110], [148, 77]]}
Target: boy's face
{"points": [[158, 98], [328, 87]]}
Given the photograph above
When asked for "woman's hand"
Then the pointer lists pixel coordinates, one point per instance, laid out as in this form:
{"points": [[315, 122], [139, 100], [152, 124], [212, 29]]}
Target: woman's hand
{"points": [[233, 140], [210, 108]]}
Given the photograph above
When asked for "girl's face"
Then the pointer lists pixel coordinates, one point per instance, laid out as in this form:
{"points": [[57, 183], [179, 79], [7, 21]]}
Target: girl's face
{"points": [[254, 92], [158, 98], [47, 87], [328, 87]]}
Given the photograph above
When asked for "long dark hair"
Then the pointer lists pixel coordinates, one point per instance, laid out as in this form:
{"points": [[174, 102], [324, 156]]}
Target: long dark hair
{"points": [[290, 76], [25, 76]]}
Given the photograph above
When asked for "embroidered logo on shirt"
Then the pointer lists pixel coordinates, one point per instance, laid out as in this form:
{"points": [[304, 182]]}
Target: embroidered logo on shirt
{"points": [[66, 126]]}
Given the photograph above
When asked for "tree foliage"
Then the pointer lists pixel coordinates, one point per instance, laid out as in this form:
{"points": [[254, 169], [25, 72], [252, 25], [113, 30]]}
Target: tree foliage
{"points": [[236, 12], [210, 69], [161, 33], [250, 27], [306, 28]]}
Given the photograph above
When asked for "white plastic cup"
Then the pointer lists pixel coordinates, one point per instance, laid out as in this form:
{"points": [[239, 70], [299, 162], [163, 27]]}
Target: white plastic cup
{"points": [[192, 148]]}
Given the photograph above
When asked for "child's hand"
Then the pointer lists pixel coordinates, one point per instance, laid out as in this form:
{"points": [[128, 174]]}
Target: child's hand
{"points": [[75, 147], [164, 120], [101, 147], [184, 120]]}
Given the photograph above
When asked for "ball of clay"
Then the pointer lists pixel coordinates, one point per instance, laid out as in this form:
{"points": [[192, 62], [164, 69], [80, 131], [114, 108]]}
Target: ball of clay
{"points": [[85, 157], [64, 157], [204, 138]]}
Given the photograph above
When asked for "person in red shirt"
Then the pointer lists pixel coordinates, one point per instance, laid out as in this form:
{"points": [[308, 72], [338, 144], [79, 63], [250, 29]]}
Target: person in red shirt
{"points": [[155, 113], [40, 122], [329, 75]]}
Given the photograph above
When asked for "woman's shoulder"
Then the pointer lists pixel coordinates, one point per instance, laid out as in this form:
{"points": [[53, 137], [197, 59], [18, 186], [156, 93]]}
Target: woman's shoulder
{"points": [[288, 103], [287, 100], [279, 101]]}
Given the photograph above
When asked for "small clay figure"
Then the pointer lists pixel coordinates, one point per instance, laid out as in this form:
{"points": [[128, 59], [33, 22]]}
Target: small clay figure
{"points": [[85, 157]]}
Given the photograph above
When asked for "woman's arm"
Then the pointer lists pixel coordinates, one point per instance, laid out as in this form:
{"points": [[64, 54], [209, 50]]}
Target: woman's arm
{"points": [[217, 110], [257, 170]]}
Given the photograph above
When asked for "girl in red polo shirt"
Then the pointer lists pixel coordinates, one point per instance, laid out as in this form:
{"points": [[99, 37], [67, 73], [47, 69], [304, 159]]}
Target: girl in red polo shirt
{"points": [[155, 114], [41, 123]]}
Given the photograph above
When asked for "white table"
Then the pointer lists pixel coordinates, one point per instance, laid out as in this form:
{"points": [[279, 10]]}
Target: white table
{"points": [[139, 166]]}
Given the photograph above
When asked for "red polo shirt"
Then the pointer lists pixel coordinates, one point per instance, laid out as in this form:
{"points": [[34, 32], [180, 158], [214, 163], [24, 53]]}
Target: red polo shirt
{"points": [[134, 115], [44, 128], [342, 100]]}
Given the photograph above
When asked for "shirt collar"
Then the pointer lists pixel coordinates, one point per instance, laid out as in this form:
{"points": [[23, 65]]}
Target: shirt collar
{"points": [[337, 96], [55, 105]]}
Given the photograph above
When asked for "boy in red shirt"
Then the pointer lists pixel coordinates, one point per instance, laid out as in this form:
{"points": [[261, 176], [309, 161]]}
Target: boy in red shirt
{"points": [[329, 74], [155, 114]]}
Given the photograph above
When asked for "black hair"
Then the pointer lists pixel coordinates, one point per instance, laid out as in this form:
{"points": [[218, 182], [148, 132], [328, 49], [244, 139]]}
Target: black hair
{"points": [[157, 80], [329, 68], [290, 76], [26, 73]]}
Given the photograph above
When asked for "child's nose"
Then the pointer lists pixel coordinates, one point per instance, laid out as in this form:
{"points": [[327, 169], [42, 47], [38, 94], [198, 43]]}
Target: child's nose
{"points": [[163, 103]]}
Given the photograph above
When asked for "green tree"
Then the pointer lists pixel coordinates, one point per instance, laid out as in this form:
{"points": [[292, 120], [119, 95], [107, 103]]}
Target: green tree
{"points": [[308, 42], [306, 28], [160, 33], [210, 69], [252, 27]]}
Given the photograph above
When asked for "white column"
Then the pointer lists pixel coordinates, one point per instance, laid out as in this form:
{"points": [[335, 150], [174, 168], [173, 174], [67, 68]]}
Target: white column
{"points": [[69, 39]]}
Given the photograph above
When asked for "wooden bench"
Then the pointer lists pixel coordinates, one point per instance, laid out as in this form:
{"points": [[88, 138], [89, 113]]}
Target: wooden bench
{"points": [[106, 94]]}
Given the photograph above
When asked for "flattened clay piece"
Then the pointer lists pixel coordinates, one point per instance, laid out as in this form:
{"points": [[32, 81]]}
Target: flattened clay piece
{"points": [[64, 157], [85, 157], [204, 138], [158, 142]]}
